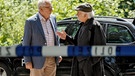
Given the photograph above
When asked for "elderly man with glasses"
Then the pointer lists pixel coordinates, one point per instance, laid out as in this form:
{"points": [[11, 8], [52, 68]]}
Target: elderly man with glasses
{"points": [[40, 30]]}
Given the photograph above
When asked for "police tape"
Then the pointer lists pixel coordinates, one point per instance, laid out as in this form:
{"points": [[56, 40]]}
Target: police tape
{"points": [[13, 51]]}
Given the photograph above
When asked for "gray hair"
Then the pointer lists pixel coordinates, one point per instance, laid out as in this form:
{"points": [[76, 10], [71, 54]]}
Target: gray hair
{"points": [[90, 14], [42, 3]]}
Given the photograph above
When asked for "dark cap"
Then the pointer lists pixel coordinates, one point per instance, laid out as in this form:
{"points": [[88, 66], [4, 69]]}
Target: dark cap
{"points": [[86, 7]]}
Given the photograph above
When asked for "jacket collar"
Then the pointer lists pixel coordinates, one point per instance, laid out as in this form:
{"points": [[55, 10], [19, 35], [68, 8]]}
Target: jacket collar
{"points": [[88, 21]]}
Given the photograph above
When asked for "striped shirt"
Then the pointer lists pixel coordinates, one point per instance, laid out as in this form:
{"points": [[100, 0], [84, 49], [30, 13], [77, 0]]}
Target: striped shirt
{"points": [[48, 31]]}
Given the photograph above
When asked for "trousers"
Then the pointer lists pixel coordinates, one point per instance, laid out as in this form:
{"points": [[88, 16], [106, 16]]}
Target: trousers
{"points": [[49, 68]]}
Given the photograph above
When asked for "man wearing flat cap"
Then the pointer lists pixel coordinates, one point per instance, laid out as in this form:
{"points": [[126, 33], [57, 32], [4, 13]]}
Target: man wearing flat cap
{"points": [[89, 33]]}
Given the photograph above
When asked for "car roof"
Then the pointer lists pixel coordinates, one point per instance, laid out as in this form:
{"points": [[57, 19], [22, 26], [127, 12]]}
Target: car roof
{"points": [[102, 18]]}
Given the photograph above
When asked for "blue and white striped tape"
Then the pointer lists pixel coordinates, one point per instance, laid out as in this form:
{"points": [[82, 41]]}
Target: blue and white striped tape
{"points": [[13, 51]]}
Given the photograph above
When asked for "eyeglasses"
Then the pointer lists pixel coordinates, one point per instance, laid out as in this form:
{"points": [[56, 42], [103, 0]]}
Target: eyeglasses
{"points": [[49, 7]]}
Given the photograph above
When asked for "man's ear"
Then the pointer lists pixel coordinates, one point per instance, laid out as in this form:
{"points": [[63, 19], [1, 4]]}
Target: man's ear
{"points": [[85, 15], [41, 9]]}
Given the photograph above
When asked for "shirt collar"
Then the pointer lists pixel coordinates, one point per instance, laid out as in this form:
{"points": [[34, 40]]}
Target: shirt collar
{"points": [[88, 21], [41, 17]]}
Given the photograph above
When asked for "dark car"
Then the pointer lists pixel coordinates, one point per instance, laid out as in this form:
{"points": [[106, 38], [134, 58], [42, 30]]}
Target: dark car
{"points": [[118, 32]]}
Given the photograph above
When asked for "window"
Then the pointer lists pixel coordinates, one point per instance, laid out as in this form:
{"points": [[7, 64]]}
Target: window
{"points": [[62, 27], [70, 29], [118, 34]]}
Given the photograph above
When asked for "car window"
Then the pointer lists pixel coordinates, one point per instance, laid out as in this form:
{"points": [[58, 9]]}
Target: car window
{"points": [[62, 27], [70, 29], [118, 34]]}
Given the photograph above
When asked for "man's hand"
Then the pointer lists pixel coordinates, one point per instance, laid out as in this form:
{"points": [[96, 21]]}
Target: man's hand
{"points": [[28, 65], [62, 34], [60, 59]]}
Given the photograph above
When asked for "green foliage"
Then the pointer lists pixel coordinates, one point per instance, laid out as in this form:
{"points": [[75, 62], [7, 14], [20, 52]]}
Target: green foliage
{"points": [[64, 8], [127, 7], [12, 18], [13, 14]]}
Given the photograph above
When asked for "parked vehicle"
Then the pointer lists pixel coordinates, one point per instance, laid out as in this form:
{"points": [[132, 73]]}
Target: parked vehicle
{"points": [[118, 32]]}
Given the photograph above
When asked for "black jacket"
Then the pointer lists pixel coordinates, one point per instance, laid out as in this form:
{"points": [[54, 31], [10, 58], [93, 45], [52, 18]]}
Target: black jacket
{"points": [[133, 21], [90, 33]]}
